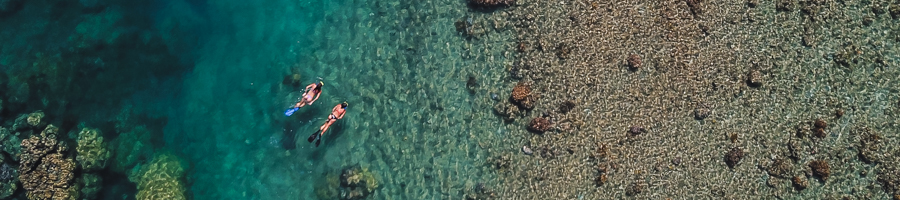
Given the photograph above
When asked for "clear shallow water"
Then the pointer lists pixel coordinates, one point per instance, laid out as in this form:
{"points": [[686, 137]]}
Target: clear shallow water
{"points": [[218, 100], [399, 65]]}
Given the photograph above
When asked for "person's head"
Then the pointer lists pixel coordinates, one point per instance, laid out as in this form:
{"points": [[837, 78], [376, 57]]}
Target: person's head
{"points": [[319, 85], [344, 105]]}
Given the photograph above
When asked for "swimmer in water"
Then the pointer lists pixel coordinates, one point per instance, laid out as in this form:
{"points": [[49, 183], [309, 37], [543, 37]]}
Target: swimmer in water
{"points": [[313, 91], [336, 113]]}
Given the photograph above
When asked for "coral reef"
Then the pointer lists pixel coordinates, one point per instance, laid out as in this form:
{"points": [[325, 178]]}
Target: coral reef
{"points": [[161, 178], [507, 111], [92, 152], [478, 192], [90, 184], [895, 10], [636, 130], [468, 27], [701, 112], [44, 170], [357, 182], [129, 149], [785, 5], [634, 62], [492, 3], [601, 179], [8, 183], [734, 156], [539, 125], [9, 144], [819, 123], [820, 168], [522, 96], [889, 177], [328, 189], [567, 106], [869, 145], [472, 84], [36, 119], [695, 6], [781, 168], [800, 182], [635, 188], [563, 50], [33, 121], [754, 78], [819, 128]]}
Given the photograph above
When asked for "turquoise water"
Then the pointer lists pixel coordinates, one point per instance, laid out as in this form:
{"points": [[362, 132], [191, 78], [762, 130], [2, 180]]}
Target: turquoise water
{"points": [[217, 96], [398, 64]]}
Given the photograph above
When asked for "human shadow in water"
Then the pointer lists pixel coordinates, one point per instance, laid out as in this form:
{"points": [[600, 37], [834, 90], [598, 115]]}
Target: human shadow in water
{"points": [[334, 131], [290, 126]]}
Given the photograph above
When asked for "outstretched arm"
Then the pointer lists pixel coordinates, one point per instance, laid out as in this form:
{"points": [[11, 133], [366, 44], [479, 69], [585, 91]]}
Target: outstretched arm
{"points": [[317, 97], [310, 86]]}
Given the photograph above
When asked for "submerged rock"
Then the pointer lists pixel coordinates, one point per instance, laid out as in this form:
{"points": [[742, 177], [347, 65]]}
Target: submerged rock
{"points": [[527, 150]]}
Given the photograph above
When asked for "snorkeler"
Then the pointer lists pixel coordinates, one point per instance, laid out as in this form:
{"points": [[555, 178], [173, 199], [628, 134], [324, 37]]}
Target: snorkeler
{"points": [[336, 113], [314, 89]]}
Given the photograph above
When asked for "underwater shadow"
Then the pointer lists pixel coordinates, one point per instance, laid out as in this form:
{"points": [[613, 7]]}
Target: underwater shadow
{"points": [[290, 126], [334, 133]]}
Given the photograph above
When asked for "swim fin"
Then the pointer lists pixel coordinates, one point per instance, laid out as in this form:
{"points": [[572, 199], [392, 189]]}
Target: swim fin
{"points": [[318, 139], [313, 136], [290, 111]]}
